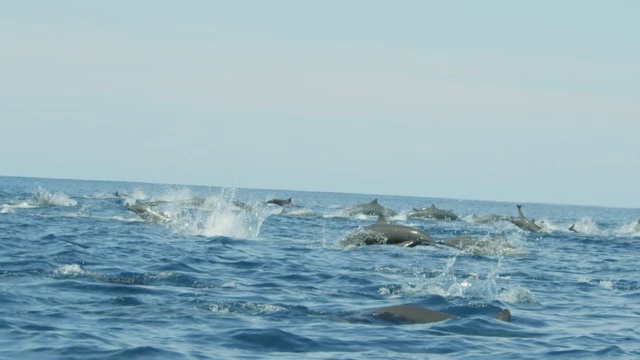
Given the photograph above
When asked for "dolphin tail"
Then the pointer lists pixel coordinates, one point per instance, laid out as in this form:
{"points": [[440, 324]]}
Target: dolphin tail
{"points": [[504, 315]]}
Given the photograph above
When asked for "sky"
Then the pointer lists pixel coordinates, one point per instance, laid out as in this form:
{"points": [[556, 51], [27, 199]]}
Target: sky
{"points": [[511, 101]]}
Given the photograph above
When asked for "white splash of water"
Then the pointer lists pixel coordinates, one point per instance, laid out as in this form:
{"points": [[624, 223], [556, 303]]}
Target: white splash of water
{"points": [[216, 215], [587, 226], [518, 295], [71, 270], [630, 229], [43, 197]]}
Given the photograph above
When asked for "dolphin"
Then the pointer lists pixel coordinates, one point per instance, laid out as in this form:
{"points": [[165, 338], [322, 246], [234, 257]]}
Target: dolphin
{"points": [[281, 202], [417, 315], [485, 219], [522, 222], [573, 228], [432, 213], [372, 208], [382, 232], [146, 211]]}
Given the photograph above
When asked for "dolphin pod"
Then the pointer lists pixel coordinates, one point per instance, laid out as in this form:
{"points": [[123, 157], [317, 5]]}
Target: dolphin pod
{"points": [[417, 315]]}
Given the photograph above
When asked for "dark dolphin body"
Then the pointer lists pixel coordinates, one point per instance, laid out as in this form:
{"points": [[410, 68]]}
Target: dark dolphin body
{"points": [[146, 211], [382, 232], [281, 202], [432, 213], [417, 315], [372, 208], [573, 228], [522, 222]]}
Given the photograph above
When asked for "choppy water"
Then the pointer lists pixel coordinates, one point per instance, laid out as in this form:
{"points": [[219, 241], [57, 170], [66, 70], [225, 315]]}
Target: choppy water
{"points": [[83, 277]]}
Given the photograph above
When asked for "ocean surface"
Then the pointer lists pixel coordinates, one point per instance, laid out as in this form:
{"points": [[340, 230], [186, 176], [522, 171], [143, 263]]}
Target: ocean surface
{"points": [[83, 277]]}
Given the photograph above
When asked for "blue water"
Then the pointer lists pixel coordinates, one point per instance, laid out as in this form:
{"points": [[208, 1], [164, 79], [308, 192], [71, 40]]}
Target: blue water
{"points": [[83, 277]]}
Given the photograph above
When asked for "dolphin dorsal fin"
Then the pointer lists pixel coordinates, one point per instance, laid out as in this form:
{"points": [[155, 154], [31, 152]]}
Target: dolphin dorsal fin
{"points": [[433, 206], [374, 202], [382, 219]]}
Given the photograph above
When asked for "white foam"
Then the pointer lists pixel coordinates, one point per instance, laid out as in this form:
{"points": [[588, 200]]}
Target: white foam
{"points": [[587, 226], [216, 216], [518, 295], [43, 197], [71, 270]]}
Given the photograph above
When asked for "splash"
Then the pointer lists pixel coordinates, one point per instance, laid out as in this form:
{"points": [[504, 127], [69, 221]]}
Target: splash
{"points": [[215, 215], [605, 284], [43, 197], [518, 295], [71, 270], [630, 229], [587, 226], [449, 285], [496, 245]]}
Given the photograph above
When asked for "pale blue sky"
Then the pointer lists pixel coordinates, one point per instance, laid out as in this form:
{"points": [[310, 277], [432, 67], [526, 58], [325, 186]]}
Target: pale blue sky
{"points": [[496, 100]]}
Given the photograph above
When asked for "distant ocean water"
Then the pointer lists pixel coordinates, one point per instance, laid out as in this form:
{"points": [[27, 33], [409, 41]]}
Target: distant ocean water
{"points": [[82, 277]]}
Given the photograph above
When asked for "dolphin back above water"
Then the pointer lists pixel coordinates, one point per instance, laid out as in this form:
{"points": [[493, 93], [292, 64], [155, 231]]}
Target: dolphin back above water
{"points": [[372, 208], [417, 315], [382, 232], [432, 213]]}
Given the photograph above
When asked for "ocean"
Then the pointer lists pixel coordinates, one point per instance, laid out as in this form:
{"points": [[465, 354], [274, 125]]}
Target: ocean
{"points": [[221, 274]]}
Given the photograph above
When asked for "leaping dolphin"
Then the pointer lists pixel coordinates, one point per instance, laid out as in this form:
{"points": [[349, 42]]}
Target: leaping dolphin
{"points": [[146, 211], [372, 208], [281, 202], [522, 222], [417, 315], [432, 213]]}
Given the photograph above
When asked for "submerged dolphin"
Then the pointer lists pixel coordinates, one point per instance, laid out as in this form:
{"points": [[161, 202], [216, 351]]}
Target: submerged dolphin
{"points": [[372, 208], [522, 222], [146, 211], [417, 315], [382, 232], [432, 213], [485, 219]]}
